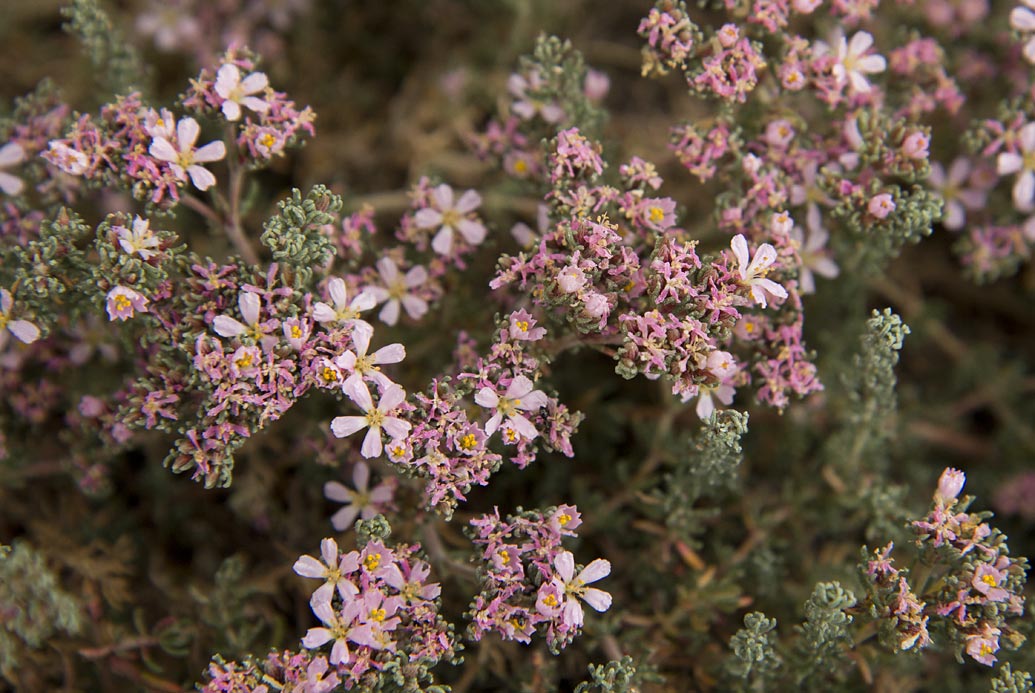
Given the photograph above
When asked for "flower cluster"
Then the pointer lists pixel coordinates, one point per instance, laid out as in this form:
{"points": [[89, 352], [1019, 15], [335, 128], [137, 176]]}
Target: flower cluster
{"points": [[529, 582], [375, 605]]}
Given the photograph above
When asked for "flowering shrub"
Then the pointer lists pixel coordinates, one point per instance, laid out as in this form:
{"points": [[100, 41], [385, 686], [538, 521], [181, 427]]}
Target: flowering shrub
{"points": [[580, 378]]}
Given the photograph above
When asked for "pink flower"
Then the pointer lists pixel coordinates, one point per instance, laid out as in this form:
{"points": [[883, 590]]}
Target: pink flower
{"points": [[239, 92], [183, 158], [245, 362], [343, 312], [359, 503], [140, 240], [982, 646], [596, 85], [852, 62], [11, 154], [880, 206], [779, 133], [528, 106], [23, 330], [374, 418], [333, 570], [397, 290], [723, 366], [596, 304], [364, 366], [123, 303], [450, 217], [522, 327], [334, 628], [753, 273], [160, 123], [987, 581], [571, 278], [1023, 164], [296, 332], [1022, 20], [248, 304], [573, 587], [519, 397]]}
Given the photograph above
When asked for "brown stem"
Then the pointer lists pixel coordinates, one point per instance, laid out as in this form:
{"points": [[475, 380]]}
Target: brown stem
{"points": [[140, 643]]}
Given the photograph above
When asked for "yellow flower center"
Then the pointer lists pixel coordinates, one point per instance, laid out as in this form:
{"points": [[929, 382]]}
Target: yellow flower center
{"points": [[986, 649], [450, 218], [521, 166], [505, 557], [245, 361], [563, 519], [522, 325], [122, 303], [375, 417], [267, 140], [550, 600], [372, 561], [468, 441], [656, 214], [296, 332], [377, 615], [511, 435], [398, 451], [328, 374], [988, 580]]}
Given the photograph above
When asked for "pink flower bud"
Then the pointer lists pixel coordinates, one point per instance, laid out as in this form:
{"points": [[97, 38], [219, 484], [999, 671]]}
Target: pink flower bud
{"points": [[596, 304], [728, 35]]}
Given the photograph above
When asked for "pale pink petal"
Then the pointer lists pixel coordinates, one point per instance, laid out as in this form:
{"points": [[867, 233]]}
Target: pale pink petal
{"points": [[254, 83], [443, 197], [740, 250], [597, 570], [1028, 138], [391, 398], [533, 401], [523, 426], [1024, 191], [705, 406], [10, 184], [416, 276], [519, 387], [389, 271], [225, 326], [256, 104], [337, 492], [249, 305], [11, 154], [228, 77], [372, 443], [339, 653], [231, 110], [361, 340], [365, 301], [598, 599], [564, 562], [427, 218], [201, 177], [573, 614], [468, 202], [163, 150], [359, 393], [316, 637], [1022, 19], [213, 151], [871, 64], [415, 306], [337, 290], [6, 301], [1008, 162], [487, 398], [860, 43], [958, 171], [395, 427], [493, 423], [382, 494], [825, 267], [954, 215], [772, 287], [187, 131], [858, 82], [309, 567], [343, 426], [442, 243], [389, 315], [24, 330], [344, 518], [765, 256], [472, 231], [323, 312], [393, 353]]}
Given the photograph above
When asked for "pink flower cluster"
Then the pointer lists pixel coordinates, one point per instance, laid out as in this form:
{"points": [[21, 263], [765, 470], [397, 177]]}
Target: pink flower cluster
{"points": [[529, 582], [374, 602]]}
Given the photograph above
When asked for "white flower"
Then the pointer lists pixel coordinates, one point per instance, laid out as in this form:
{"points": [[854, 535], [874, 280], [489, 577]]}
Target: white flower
{"points": [[852, 62], [249, 304], [753, 273], [343, 311], [573, 587], [239, 92], [69, 160], [11, 154], [184, 158], [519, 397], [723, 366], [23, 330], [571, 278], [811, 249], [397, 290], [1024, 163], [333, 570], [363, 365], [374, 418], [140, 240], [451, 217], [957, 198], [359, 503], [336, 629]]}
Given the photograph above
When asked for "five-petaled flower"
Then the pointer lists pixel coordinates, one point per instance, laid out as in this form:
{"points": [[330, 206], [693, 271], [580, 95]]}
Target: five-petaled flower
{"points": [[451, 217], [362, 502], [333, 570], [563, 593], [239, 92], [140, 240], [363, 365], [519, 397], [249, 304], [398, 290], [753, 273], [1023, 164], [853, 64], [123, 303], [344, 312], [374, 418], [184, 159]]}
